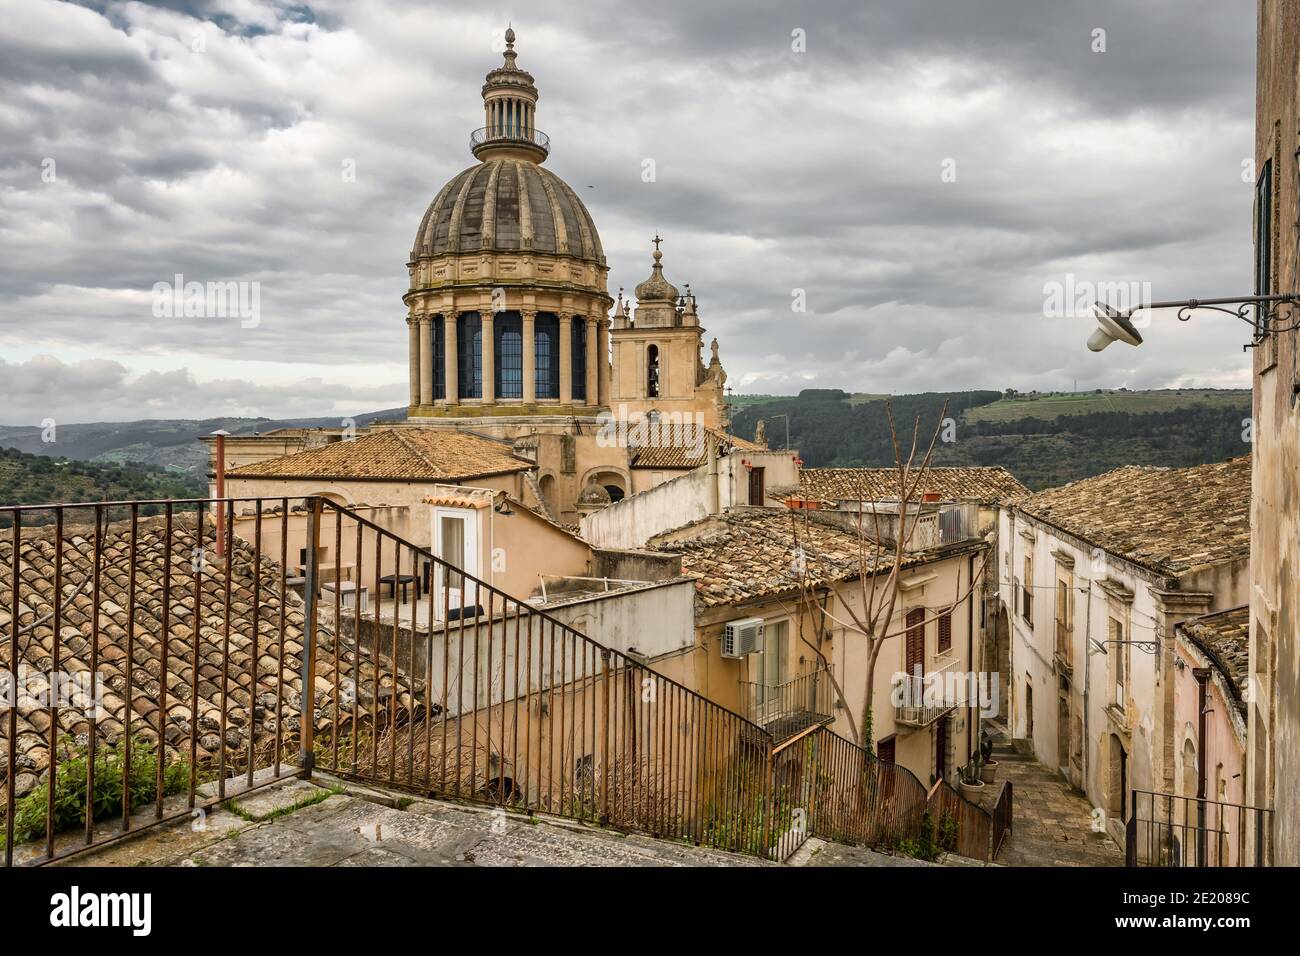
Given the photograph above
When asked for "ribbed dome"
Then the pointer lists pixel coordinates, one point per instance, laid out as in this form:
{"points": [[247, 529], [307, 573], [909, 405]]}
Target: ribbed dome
{"points": [[507, 205]]}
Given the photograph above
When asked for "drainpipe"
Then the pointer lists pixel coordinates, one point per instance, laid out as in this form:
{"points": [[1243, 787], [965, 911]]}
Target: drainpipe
{"points": [[1202, 675], [711, 449], [972, 720], [1087, 678], [220, 434]]}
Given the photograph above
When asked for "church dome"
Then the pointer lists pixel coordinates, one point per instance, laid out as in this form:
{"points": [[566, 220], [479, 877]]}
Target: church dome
{"points": [[507, 205], [657, 288]]}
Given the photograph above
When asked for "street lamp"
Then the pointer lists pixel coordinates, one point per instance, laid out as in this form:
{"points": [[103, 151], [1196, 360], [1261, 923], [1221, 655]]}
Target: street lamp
{"points": [[1116, 326], [786, 416]]}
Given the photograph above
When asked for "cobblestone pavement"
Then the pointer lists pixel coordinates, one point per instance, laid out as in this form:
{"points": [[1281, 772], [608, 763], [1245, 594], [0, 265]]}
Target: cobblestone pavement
{"points": [[300, 823], [1051, 821]]}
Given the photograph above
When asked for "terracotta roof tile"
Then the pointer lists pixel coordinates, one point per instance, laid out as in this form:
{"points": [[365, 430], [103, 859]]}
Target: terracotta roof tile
{"points": [[248, 705], [990, 484], [395, 454], [750, 553], [685, 455], [1225, 635], [1168, 520]]}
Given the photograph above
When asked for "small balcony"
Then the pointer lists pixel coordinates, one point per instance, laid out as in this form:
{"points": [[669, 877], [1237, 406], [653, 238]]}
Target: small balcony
{"points": [[788, 708], [921, 700], [490, 137]]}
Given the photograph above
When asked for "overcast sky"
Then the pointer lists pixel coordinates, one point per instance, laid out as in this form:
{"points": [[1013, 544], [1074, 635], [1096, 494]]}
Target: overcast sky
{"points": [[922, 170]]}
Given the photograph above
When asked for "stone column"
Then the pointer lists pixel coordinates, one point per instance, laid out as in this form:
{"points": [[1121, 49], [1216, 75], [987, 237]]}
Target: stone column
{"points": [[566, 360], [593, 368], [451, 372], [530, 357], [426, 359], [413, 330], [602, 361], [489, 356]]}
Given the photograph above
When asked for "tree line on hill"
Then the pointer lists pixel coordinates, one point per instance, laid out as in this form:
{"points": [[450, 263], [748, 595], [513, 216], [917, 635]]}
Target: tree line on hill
{"points": [[829, 431]]}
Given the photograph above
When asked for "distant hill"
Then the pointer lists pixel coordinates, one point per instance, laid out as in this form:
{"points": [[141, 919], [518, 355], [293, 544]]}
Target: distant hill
{"points": [[171, 444], [43, 479], [1043, 439]]}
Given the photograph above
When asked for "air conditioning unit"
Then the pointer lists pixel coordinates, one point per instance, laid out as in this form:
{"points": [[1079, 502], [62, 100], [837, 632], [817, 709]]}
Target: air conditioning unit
{"points": [[742, 638]]}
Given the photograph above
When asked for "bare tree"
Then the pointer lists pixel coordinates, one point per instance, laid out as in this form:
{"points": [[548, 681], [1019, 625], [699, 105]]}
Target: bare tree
{"points": [[880, 562]]}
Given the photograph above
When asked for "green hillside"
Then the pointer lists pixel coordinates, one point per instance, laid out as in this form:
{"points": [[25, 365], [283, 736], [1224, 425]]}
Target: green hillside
{"points": [[1044, 440], [38, 479]]}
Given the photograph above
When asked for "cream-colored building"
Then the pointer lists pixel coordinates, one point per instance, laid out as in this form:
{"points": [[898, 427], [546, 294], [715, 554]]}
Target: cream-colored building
{"points": [[746, 563], [1274, 709], [1097, 575]]}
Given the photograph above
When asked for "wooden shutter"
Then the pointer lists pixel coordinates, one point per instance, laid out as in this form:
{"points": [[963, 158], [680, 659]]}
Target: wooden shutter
{"points": [[915, 641], [941, 750], [945, 631], [885, 750], [756, 486]]}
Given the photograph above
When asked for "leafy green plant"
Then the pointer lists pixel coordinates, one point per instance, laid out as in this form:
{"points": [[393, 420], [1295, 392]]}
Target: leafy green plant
{"points": [[948, 833], [70, 789]]}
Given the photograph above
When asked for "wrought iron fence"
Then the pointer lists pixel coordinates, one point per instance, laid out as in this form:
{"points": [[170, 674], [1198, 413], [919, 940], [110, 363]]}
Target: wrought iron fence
{"points": [[791, 706], [1165, 830], [208, 660]]}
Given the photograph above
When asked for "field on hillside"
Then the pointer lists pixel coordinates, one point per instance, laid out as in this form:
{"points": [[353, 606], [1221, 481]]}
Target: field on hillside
{"points": [[1052, 405]]}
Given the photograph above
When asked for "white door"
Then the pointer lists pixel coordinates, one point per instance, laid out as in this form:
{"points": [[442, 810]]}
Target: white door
{"points": [[455, 540]]}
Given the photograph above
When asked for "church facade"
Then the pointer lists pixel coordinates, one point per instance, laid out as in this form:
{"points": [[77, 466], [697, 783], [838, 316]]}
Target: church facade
{"points": [[510, 332]]}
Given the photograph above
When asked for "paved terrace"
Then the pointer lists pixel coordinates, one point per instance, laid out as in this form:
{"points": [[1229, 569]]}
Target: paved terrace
{"points": [[330, 822]]}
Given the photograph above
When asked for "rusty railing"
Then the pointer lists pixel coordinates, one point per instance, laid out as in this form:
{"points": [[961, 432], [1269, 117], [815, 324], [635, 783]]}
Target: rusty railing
{"points": [[791, 706], [1165, 830], [166, 662]]}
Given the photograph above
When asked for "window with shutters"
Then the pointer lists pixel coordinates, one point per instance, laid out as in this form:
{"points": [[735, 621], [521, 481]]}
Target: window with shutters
{"points": [[915, 662], [945, 631], [1120, 663], [1027, 592]]}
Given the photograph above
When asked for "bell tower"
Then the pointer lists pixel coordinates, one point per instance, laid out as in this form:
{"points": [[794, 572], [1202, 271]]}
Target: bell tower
{"points": [[657, 353]]}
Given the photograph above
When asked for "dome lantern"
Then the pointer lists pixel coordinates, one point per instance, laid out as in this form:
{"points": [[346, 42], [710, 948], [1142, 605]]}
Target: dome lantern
{"points": [[509, 109]]}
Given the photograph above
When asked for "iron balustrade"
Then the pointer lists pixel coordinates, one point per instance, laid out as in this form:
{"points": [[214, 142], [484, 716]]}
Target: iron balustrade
{"points": [[924, 698], [229, 662], [791, 706], [1165, 830], [488, 135]]}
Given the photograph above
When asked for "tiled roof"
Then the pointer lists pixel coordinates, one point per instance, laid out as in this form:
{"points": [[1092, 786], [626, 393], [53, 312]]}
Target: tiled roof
{"points": [[395, 454], [1224, 635], [881, 484], [751, 553], [1168, 520], [685, 455], [36, 642]]}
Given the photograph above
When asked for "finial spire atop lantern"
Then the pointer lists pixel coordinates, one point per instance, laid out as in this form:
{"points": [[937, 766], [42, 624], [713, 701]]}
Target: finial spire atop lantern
{"points": [[509, 107]]}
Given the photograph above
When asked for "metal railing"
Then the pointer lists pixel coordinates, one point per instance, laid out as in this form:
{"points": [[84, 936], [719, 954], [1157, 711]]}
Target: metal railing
{"points": [[216, 668], [826, 785], [921, 699], [488, 135], [974, 836], [1003, 814], [1165, 830], [791, 706], [148, 663]]}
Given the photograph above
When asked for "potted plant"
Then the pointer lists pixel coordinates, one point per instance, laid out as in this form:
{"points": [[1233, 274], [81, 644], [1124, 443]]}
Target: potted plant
{"points": [[969, 779], [989, 766]]}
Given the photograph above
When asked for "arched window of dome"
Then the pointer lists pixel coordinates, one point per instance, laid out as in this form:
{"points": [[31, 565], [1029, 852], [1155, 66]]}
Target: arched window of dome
{"points": [[509, 355], [439, 357], [469, 339], [652, 372], [578, 365], [546, 336]]}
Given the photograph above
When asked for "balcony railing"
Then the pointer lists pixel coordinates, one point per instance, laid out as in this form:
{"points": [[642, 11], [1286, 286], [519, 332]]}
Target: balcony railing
{"points": [[493, 136], [920, 700], [1168, 831], [792, 706]]}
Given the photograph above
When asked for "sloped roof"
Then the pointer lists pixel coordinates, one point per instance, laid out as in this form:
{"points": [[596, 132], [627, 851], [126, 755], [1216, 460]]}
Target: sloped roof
{"points": [[1224, 636], [685, 455], [752, 552], [186, 626], [395, 454], [1168, 520], [985, 484]]}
